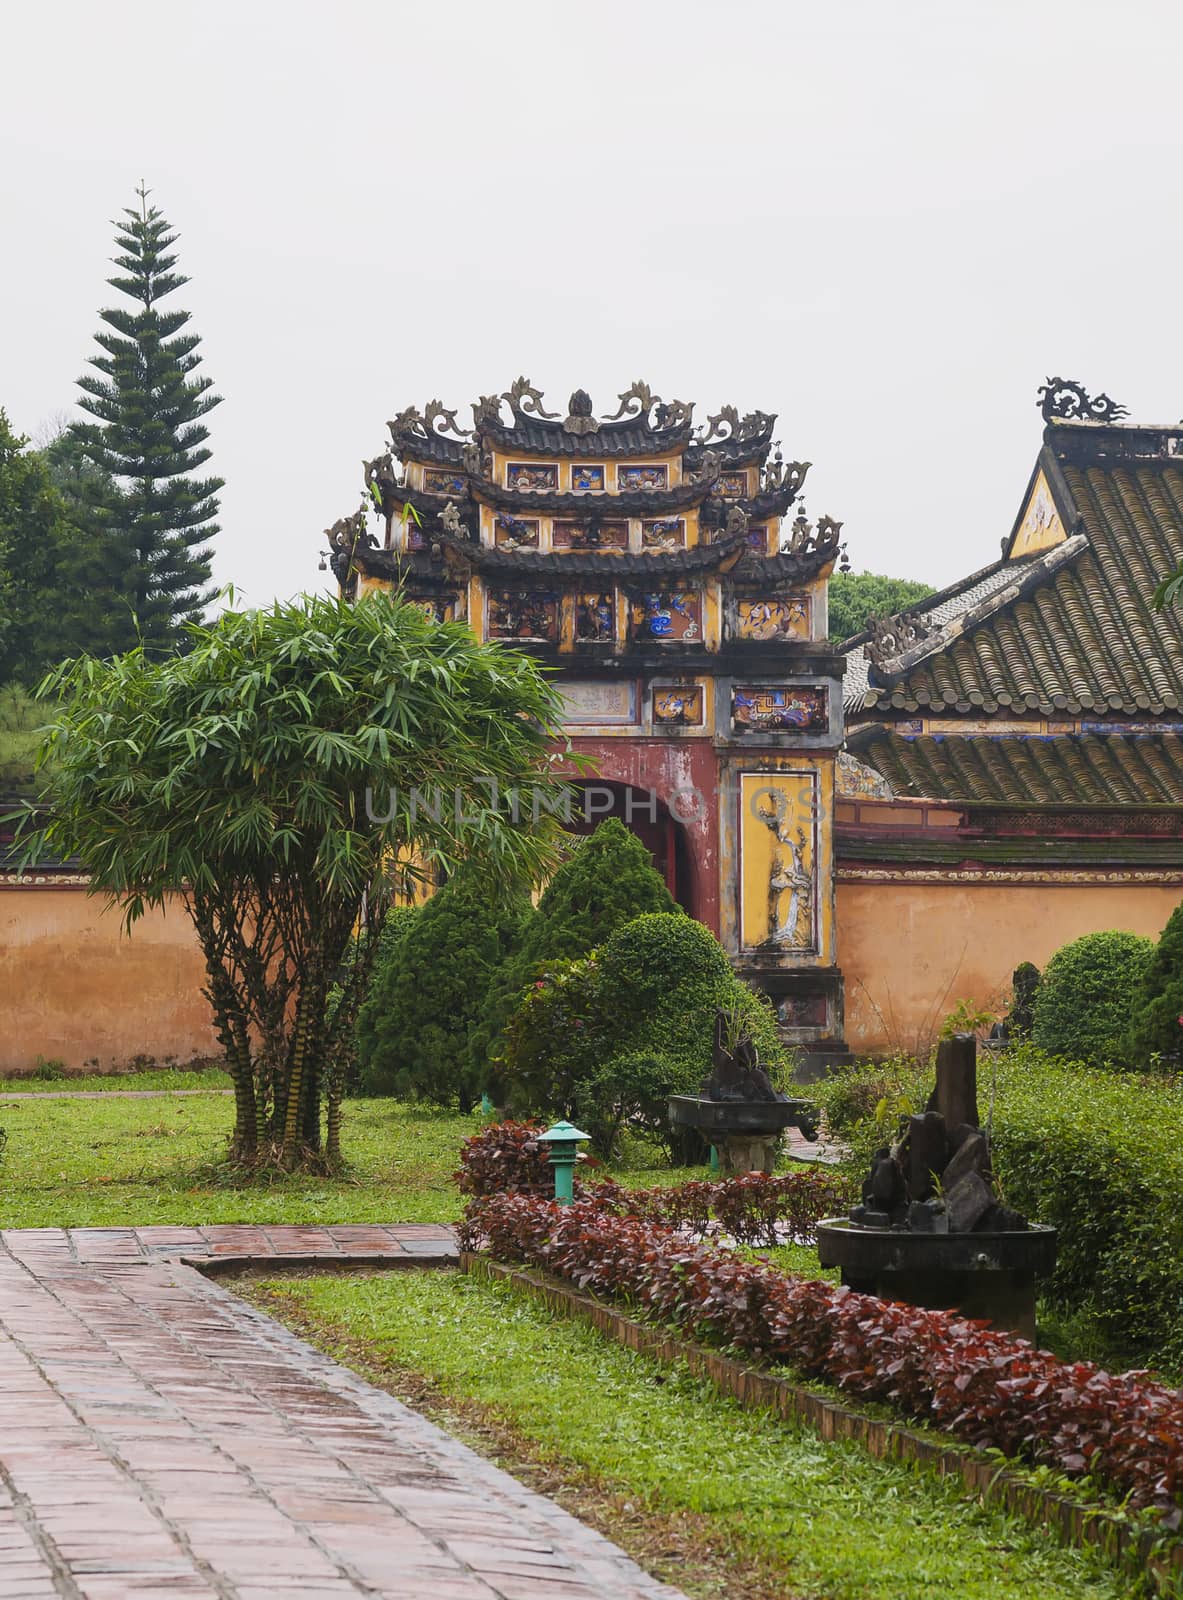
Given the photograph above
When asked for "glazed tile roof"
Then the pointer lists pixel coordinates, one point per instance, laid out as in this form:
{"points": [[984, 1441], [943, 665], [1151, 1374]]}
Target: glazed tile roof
{"points": [[734, 555], [1075, 630], [628, 438], [939, 609], [1141, 769]]}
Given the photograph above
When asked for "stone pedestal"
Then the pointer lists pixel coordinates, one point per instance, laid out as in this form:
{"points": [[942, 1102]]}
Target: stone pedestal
{"points": [[987, 1275], [747, 1133], [740, 1153]]}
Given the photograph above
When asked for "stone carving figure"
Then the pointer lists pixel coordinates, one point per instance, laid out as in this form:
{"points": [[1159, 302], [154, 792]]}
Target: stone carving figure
{"points": [[790, 880], [450, 521], [737, 523]]}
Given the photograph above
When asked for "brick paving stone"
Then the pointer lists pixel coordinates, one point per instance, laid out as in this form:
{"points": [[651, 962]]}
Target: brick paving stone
{"points": [[163, 1439]]}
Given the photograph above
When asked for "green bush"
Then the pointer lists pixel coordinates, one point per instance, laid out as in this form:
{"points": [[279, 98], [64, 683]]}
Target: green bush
{"points": [[1100, 1157], [415, 1025], [606, 1040], [607, 879], [863, 1103], [1156, 1032], [1083, 1004]]}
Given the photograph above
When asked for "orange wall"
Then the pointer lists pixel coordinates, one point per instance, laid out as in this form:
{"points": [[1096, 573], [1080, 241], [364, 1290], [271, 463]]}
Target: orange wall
{"points": [[73, 987], [910, 951]]}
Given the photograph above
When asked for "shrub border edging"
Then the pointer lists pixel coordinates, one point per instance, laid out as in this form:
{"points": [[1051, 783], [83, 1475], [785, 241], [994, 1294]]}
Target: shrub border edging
{"points": [[759, 1389]]}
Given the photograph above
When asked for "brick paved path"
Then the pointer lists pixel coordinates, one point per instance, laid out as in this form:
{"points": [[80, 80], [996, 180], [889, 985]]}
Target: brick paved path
{"points": [[160, 1438]]}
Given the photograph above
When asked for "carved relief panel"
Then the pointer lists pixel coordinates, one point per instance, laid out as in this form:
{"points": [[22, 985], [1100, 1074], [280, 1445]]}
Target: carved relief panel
{"points": [[531, 476], [679, 706], [764, 708], [780, 813], [595, 617], [650, 477], [516, 533], [784, 617], [665, 533], [671, 616], [437, 481], [526, 615], [593, 535]]}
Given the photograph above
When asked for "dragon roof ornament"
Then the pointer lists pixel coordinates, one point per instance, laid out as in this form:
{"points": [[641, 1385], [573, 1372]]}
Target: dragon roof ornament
{"points": [[639, 407], [806, 539], [1064, 398], [434, 419], [891, 636], [727, 424]]}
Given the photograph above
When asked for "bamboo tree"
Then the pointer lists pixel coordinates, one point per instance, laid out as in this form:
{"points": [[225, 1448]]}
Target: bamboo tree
{"points": [[234, 778]]}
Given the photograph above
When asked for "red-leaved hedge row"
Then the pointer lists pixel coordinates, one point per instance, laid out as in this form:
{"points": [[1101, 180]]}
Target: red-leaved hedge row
{"points": [[752, 1209], [506, 1158], [991, 1389]]}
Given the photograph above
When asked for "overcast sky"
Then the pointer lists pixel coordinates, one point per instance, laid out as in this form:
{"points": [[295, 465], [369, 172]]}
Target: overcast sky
{"points": [[887, 222]]}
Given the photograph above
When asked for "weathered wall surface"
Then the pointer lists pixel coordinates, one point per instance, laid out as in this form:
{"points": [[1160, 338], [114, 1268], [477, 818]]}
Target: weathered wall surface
{"points": [[74, 988], [911, 950]]}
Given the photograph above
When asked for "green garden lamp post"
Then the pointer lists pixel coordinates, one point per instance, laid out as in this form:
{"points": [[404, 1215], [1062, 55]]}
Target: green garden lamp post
{"points": [[564, 1141]]}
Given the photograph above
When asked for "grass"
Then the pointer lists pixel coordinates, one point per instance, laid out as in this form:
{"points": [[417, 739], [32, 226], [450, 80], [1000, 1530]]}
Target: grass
{"points": [[114, 1162], [154, 1079], [720, 1500]]}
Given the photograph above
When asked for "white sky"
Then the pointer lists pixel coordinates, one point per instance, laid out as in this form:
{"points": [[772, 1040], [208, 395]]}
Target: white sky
{"points": [[887, 220]]}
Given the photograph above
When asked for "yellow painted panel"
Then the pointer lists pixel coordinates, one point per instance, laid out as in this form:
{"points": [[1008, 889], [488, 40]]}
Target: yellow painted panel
{"points": [[786, 860], [1041, 527]]}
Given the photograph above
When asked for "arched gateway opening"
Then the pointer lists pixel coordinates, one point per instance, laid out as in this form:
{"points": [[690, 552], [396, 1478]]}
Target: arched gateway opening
{"points": [[648, 817]]}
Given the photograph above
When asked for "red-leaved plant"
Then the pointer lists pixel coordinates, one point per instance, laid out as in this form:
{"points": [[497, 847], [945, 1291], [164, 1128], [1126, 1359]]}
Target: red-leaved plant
{"points": [[506, 1158], [989, 1388]]}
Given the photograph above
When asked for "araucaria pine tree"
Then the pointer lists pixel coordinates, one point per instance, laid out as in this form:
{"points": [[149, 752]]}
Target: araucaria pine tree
{"points": [[147, 401]]}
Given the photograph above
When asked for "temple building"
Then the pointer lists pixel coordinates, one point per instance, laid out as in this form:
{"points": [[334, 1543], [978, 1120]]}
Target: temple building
{"points": [[1017, 739], [670, 575]]}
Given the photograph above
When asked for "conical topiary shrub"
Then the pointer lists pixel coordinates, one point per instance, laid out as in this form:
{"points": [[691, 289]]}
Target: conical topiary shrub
{"points": [[1156, 1027], [415, 1026]]}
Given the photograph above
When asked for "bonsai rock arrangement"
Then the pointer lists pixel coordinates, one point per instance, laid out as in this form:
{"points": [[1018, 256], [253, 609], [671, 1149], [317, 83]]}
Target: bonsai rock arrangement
{"points": [[739, 1111], [932, 1228]]}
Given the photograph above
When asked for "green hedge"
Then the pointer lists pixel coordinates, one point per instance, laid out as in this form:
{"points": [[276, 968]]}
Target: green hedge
{"points": [[1099, 1156]]}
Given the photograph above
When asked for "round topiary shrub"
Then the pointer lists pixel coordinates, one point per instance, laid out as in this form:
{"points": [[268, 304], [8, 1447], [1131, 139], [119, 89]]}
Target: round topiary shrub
{"points": [[1083, 1004], [606, 1040], [607, 879], [1155, 1035]]}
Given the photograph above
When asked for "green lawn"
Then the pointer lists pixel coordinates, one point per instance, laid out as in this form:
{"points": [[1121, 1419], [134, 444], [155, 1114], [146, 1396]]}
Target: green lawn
{"points": [[112, 1161], [753, 1506], [109, 1162], [155, 1078]]}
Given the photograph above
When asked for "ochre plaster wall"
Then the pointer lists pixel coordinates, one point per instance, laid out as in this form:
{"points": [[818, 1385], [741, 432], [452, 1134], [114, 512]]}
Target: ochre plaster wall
{"points": [[75, 988], [910, 951]]}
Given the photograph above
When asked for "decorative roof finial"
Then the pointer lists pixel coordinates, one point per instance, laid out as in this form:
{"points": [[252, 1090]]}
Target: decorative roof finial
{"points": [[579, 419], [1064, 398], [891, 636]]}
